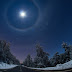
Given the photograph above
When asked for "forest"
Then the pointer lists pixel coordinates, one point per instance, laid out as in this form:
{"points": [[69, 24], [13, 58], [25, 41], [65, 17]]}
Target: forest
{"points": [[41, 59]]}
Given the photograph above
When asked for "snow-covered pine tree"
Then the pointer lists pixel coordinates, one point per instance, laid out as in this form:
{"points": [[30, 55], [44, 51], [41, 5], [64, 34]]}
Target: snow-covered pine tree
{"points": [[55, 60], [62, 58], [28, 61], [41, 59], [5, 54], [2, 54], [67, 51], [65, 57]]}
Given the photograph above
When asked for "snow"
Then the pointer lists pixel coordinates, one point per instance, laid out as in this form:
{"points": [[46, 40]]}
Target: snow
{"points": [[57, 67], [6, 66]]}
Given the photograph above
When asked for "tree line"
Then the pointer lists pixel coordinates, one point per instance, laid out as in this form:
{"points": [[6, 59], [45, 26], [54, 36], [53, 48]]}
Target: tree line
{"points": [[42, 58]]}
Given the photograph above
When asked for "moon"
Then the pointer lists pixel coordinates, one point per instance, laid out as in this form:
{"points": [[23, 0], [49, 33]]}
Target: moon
{"points": [[22, 14]]}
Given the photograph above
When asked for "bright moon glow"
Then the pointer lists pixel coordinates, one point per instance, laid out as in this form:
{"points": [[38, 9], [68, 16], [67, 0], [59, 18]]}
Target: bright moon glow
{"points": [[22, 14]]}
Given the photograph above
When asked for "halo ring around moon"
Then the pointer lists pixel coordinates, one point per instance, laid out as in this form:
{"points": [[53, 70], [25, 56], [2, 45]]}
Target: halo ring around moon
{"points": [[18, 29]]}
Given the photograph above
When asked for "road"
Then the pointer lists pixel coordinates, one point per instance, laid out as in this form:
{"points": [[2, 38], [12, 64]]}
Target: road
{"points": [[18, 69], [23, 69]]}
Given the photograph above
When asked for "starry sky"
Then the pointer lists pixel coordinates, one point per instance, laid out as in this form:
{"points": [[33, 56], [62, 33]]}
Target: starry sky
{"points": [[48, 22]]}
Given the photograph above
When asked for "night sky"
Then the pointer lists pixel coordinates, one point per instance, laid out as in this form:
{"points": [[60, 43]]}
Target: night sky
{"points": [[48, 22]]}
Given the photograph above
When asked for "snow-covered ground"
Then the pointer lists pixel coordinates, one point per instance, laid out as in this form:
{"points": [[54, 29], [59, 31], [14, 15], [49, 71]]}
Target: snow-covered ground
{"points": [[57, 67], [6, 66]]}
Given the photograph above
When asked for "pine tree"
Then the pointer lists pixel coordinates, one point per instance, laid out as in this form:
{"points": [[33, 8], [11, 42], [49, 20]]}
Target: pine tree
{"points": [[5, 54], [28, 61], [41, 59], [67, 51], [55, 60]]}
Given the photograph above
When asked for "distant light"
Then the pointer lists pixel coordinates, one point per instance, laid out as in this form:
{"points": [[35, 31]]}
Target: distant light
{"points": [[22, 14]]}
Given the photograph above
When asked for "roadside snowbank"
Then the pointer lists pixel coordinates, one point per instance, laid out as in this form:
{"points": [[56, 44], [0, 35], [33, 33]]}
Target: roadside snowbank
{"points": [[57, 67], [6, 66]]}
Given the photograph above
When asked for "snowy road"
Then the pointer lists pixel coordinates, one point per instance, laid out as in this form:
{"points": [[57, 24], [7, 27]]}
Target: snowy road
{"points": [[24, 69], [18, 69]]}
